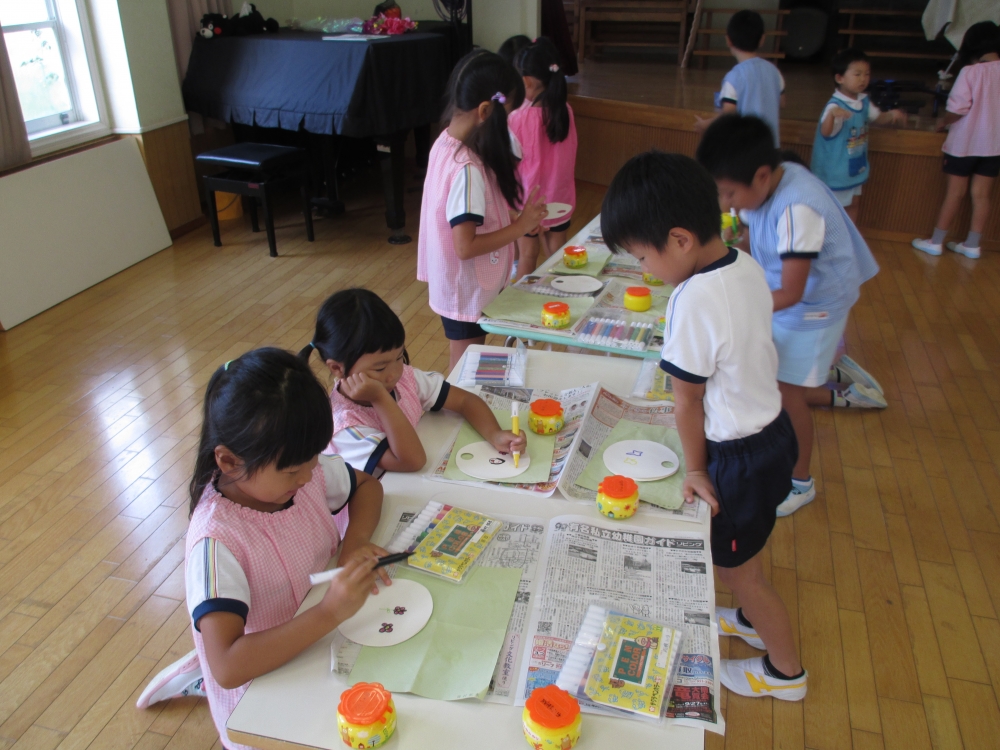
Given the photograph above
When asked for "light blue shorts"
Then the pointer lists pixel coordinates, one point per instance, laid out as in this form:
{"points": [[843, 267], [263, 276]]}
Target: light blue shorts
{"points": [[804, 357]]}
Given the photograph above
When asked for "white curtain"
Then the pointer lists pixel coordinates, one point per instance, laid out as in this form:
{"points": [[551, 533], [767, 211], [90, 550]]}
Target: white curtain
{"points": [[185, 21], [14, 148]]}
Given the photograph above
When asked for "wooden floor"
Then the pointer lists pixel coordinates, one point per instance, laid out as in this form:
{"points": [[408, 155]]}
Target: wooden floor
{"points": [[892, 575]]}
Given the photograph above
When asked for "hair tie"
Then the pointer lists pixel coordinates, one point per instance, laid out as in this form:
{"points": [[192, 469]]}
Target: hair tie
{"points": [[226, 366], [313, 346], [553, 68], [498, 97]]}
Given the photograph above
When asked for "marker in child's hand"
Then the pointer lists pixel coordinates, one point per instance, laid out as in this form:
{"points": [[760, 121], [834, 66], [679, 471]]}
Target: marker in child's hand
{"points": [[329, 575], [515, 427]]}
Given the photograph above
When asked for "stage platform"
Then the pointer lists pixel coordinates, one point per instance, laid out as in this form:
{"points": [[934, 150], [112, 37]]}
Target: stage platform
{"points": [[624, 107]]}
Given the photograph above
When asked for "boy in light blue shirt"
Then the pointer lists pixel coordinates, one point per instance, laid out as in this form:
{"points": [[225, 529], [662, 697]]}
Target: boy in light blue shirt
{"points": [[815, 262], [753, 86]]}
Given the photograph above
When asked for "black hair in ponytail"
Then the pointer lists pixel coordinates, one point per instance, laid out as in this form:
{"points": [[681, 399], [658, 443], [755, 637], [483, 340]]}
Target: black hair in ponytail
{"points": [[541, 60], [479, 77], [980, 39], [266, 407], [352, 323]]}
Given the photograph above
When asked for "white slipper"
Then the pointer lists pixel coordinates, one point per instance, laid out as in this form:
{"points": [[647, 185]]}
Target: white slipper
{"points": [[181, 678]]}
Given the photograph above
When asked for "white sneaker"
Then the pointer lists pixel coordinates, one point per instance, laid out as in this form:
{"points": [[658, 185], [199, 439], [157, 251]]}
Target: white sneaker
{"points": [[961, 249], [926, 246], [799, 496], [859, 396], [181, 678], [747, 677], [852, 372], [729, 624]]}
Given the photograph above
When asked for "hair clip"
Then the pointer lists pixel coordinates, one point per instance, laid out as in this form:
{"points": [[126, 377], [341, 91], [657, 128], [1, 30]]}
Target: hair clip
{"points": [[226, 366], [498, 97], [554, 68]]}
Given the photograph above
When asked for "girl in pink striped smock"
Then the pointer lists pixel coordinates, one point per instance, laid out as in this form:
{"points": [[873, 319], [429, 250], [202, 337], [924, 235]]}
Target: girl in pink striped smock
{"points": [[972, 148], [467, 231], [545, 128], [378, 398], [262, 507]]}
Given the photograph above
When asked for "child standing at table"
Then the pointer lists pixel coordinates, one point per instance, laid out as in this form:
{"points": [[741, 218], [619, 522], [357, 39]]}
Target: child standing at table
{"points": [[972, 148], [377, 397], [840, 147], [815, 261], [753, 86], [467, 231], [739, 445], [545, 128], [262, 507]]}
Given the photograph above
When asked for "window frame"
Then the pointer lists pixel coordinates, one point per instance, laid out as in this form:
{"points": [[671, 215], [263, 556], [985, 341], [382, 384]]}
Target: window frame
{"points": [[79, 56]]}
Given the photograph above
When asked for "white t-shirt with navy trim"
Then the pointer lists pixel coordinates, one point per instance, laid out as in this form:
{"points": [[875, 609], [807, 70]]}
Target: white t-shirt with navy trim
{"points": [[363, 446], [467, 197], [227, 589], [718, 332]]}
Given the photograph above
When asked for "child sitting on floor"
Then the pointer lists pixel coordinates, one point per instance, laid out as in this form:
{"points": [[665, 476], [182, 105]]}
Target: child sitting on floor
{"points": [[815, 261], [377, 397], [753, 86], [739, 445], [840, 148]]}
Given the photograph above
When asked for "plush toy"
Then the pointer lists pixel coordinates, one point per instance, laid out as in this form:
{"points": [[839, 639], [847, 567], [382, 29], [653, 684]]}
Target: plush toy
{"points": [[213, 24], [248, 21]]}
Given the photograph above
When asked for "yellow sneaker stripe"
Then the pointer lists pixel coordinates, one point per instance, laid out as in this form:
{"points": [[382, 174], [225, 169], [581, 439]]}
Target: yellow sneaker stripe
{"points": [[758, 685]]}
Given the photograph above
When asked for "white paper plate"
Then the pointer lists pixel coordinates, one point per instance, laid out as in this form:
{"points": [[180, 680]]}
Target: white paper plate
{"points": [[642, 460], [483, 461], [557, 210], [396, 614], [576, 284]]}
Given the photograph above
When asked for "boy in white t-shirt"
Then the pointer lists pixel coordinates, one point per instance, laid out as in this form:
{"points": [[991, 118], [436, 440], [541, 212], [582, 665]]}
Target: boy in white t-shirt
{"points": [[739, 446]]}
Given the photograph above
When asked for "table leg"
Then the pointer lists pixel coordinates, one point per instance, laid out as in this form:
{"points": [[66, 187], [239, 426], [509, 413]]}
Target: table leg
{"points": [[391, 158]]}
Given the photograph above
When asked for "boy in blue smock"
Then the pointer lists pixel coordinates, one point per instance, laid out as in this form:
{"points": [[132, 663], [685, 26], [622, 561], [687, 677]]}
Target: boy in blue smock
{"points": [[753, 86], [815, 261], [840, 148]]}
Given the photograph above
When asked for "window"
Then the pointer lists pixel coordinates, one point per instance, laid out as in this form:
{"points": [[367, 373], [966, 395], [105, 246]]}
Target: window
{"points": [[52, 59]]}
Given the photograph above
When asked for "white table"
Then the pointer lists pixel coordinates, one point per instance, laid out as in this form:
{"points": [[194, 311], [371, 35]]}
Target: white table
{"points": [[295, 706]]}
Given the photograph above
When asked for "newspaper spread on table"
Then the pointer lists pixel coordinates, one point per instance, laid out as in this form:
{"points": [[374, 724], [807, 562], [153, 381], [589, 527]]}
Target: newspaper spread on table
{"points": [[605, 412], [659, 575], [517, 545], [574, 402]]}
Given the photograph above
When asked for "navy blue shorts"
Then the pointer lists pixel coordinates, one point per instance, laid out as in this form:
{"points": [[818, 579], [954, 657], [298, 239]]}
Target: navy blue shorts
{"points": [[460, 330], [966, 166], [557, 228], [751, 476]]}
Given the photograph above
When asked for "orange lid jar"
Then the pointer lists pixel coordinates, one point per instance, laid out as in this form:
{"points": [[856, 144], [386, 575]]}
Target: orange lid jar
{"points": [[617, 497], [546, 416], [551, 719], [366, 715], [575, 256], [555, 315], [638, 298]]}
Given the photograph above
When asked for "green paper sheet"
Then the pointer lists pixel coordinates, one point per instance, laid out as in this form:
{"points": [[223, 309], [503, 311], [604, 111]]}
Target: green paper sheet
{"points": [[526, 307], [667, 493], [597, 258], [455, 655], [540, 448]]}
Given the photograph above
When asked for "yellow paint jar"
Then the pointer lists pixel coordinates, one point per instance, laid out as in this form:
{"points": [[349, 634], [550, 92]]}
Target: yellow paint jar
{"points": [[545, 416], [555, 315], [575, 256], [638, 298], [617, 497], [648, 278], [551, 719], [366, 716]]}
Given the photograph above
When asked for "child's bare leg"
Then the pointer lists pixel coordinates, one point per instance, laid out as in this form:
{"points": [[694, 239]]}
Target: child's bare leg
{"points": [[818, 396], [457, 349], [553, 241], [952, 201], [794, 401], [527, 248], [852, 210], [766, 612], [981, 189]]}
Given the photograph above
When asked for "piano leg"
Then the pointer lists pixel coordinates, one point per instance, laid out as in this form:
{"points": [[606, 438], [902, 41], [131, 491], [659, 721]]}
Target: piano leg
{"points": [[391, 157], [329, 148]]}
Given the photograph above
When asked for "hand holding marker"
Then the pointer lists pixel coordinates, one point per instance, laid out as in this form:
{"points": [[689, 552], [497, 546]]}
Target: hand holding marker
{"points": [[329, 575]]}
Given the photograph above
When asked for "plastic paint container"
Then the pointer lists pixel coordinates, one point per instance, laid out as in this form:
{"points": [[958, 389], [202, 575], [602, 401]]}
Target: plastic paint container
{"points": [[551, 719], [555, 315], [575, 256], [638, 298], [617, 497], [366, 716], [546, 416]]}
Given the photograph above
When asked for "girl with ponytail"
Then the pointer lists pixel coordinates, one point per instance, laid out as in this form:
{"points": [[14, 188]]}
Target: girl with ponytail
{"points": [[545, 128], [467, 229]]}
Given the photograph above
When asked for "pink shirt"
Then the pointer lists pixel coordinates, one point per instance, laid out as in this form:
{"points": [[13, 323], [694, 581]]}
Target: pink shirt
{"points": [[459, 188], [550, 165], [276, 552], [976, 96]]}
